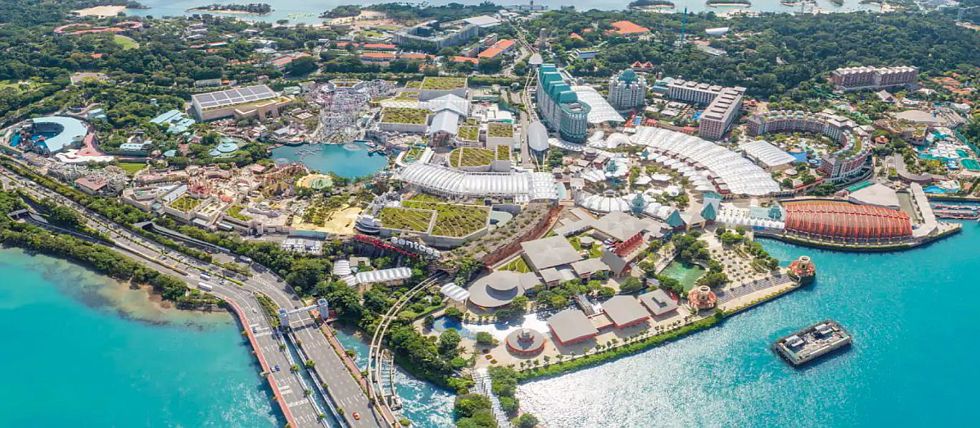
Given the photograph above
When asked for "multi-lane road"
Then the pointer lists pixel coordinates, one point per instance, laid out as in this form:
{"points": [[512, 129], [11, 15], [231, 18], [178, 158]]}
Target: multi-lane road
{"points": [[301, 408]]}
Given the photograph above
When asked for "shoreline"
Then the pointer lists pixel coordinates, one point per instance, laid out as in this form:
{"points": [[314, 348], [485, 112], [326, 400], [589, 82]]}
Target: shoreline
{"points": [[885, 248]]}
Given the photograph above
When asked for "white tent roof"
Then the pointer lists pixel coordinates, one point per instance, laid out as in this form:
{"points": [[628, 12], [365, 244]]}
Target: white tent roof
{"points": [[740, 175], [519, 184], [383, 275], [454, 292], [601, 110]]}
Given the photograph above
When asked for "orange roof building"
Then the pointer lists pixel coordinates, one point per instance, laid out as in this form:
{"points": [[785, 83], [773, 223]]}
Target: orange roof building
{"points": [[499, 48], [414, 56], [460, 59], [377, 56], [627, 28], [379, 47]]}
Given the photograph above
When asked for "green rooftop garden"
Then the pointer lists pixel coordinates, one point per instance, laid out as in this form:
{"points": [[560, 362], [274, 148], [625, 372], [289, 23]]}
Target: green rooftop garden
{"points": [[440, 83], [470, 156], [185, 203], [405, 218], [235, 212], [451, 219], [413, 84], [500, 130], [407, 95], [503, 152], [412, 116], [468, 133]]}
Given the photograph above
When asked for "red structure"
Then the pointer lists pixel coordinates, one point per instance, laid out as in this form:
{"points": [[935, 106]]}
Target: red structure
{"points": [[384, 245], [627, 247], [844, 220]]}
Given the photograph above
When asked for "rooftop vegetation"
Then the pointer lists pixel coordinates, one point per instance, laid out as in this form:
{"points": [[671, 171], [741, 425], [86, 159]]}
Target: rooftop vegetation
{"points": [[405, 218], [500, 130], [235, 211], [413, 84], [468, 133], [439, 83], [503, 152], [412, 116], [185, 203], [470, 156], [451, 219]]}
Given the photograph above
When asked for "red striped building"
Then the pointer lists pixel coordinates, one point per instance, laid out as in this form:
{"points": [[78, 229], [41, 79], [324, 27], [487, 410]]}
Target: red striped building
{"points": [[844, 220]]}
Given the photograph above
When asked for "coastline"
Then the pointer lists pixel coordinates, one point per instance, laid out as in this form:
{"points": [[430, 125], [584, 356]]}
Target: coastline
{"points": [[884, 248], [226, 11]]}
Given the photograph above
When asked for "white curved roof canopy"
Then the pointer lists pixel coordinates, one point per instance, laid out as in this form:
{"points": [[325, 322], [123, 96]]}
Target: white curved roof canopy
{"points": [[686, 154], [537, 136], [519, 185]]}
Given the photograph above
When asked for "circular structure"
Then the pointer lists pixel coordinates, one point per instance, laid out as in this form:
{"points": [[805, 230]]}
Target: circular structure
{"points": [[537, 136], [701, 298], [496, 289], [226, 147], [50, 134], [525, 342], [315, 181]]}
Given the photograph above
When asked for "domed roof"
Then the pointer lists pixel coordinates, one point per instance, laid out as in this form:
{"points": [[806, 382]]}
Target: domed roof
{"points": [[537, 136]]}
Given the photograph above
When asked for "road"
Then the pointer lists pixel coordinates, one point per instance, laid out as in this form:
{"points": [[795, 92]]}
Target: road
{"points": [[291, 387]]}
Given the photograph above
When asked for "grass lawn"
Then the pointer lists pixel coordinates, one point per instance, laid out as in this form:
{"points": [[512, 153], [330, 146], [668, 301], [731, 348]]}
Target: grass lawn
{"points": [[517, 265], [125, 42], [131, 168]]}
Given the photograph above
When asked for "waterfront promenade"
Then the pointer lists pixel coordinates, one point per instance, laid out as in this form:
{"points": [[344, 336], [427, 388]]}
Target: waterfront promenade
{"points": [[299, 407]]}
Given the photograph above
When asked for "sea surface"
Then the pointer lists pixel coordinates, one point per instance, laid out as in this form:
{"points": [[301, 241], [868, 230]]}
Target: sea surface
{"points": [[914, 317], [346, 160], [82, 350], [308, 11]]}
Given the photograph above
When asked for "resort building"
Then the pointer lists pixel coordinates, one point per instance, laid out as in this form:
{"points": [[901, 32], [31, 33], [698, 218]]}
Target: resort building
{"points": [[251, 101], [448, 111], [550, 252], [501, 287], [437, 86], [434, 35], [701, 297], [625, 311], [519, 186], [874, 78], [571, 326], [627, 90], [658, 302], [525, 342], [559, 106], [768, 156], [723, 104], [850, 162], [708, 166], [628, 29], [499, 48]]}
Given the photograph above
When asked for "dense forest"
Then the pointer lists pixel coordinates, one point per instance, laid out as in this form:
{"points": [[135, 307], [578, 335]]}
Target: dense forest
{"points": [[770, 54]]}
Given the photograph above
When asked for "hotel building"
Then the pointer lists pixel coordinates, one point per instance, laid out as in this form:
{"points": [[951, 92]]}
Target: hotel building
{"points": [[559, 106], [859, 78], [627, 90], [723, 105]]}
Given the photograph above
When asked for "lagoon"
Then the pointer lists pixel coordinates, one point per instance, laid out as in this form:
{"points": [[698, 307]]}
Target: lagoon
{"points": [[913, 316], [82, 347], [349, 161]]}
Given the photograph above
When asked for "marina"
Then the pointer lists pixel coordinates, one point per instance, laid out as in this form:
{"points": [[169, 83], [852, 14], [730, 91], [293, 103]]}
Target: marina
{"points": [[352, 160], [812, 342]]}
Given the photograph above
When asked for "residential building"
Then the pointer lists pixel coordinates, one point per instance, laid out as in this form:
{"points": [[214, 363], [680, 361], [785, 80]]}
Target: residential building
{"points": [[723, 104]]}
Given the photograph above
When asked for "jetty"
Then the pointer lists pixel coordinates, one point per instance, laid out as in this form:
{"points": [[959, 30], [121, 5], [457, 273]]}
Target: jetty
{"points": [[812, 342]]}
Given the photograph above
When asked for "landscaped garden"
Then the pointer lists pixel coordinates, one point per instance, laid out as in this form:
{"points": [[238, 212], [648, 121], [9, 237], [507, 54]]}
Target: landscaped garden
{"points": [[451, 219], [441, 83], [412, 116], [235, 212], [470, 156], [498, 130], [503, 152], [468, 133], [185, 203], [416, 220]]}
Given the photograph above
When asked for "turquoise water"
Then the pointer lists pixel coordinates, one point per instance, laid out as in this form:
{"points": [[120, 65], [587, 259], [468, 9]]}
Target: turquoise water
{"points": [[913, 363], [424, 404], [307, 11], [336, 158], [82, 350], [687, 274]]}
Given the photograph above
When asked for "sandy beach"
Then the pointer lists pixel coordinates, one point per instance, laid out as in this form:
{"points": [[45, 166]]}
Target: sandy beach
{"points": [[101, 11]]}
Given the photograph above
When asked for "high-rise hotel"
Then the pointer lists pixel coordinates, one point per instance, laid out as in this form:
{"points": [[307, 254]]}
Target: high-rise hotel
{"points": [[723, 105], [858, 78], [559, 106], [627, 90]]}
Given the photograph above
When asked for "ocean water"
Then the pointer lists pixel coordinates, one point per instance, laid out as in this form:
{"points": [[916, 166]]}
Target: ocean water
{"points": [[422, 403], [348, 162], [82, 350], [307, 11], [914, 317]]}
